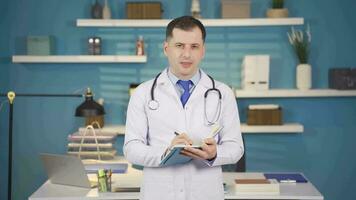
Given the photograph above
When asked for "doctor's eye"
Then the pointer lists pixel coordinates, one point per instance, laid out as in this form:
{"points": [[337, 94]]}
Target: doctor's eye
{"points": [[179, 45], [195, 46]]}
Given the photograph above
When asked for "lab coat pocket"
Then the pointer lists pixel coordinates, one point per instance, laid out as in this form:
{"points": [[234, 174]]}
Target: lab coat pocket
{"points": [[157, 187]]}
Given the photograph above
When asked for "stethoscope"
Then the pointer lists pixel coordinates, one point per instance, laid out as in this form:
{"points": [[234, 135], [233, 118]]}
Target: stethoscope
{"points": [[153, 104]]}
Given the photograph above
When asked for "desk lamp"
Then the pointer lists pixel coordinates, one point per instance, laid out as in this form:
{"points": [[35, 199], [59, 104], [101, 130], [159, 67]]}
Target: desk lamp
{"points": [[11, 98], [89, 108]]}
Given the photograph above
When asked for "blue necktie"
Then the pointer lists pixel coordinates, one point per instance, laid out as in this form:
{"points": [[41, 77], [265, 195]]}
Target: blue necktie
{"points": [[185, 85]]}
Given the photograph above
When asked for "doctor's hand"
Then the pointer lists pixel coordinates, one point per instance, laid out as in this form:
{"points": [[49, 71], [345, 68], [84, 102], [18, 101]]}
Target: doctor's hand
{"points": [[207, 152], [181, 139]]}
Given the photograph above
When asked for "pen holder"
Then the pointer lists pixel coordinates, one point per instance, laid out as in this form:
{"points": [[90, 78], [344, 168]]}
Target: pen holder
{"points": [[104, 180]]}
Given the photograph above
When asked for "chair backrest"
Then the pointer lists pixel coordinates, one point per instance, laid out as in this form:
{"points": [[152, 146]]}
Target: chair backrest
{"points": [[241, 164]]}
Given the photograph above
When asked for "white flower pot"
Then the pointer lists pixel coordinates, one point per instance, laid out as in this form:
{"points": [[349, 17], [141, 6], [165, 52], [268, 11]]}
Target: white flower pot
{"points": [[304, 77]]}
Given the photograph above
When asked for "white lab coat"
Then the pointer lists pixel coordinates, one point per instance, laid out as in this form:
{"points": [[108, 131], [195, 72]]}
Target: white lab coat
{"points": [[150, 132]]}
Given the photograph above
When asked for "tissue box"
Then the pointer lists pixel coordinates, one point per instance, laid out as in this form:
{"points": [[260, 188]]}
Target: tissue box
{"points": [[235, 9], [342, 78], [264, 115], [40, 45], [143, 10]]}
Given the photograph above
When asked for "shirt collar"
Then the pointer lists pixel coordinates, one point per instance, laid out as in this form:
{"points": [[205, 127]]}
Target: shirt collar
{"points": [[173, 78]]}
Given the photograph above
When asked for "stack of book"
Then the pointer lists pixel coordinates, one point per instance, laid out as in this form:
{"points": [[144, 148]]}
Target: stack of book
{"points": [[255, 184], [89, 143]]}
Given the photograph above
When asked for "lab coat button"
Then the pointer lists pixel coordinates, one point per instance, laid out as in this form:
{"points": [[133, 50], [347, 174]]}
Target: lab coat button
{"points": [[181, 190]]}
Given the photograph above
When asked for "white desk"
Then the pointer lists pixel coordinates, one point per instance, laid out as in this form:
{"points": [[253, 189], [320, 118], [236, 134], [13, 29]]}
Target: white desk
{"points": [[48, 191]]}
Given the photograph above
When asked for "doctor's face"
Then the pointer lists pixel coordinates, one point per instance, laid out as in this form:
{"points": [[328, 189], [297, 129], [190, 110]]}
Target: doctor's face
{"points": [[184, 50]]}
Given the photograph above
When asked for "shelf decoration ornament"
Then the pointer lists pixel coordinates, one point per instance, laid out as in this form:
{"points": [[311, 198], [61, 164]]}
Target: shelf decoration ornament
{"points": [[106, 11], [300, 41], [277, 10], [195, 9], [97, 10]]}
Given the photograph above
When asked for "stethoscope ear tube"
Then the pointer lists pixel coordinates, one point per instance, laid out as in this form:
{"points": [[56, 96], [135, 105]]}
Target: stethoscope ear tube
{"points": [[154, 87]]}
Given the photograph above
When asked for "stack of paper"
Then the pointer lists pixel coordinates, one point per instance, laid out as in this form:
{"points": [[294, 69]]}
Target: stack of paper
{"points": [[93, 143], [255, 184]]}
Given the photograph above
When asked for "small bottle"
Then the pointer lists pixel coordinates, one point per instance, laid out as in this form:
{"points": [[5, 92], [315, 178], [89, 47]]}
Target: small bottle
{"points": [[195, 9], [106, 11], [96, 10], [140, 46]]}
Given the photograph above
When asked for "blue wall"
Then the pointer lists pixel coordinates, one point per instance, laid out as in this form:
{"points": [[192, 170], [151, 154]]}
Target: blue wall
{"points": [[324, 152]]}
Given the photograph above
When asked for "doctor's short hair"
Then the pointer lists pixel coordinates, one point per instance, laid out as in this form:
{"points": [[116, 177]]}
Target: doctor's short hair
{"points": [[185, 23]]}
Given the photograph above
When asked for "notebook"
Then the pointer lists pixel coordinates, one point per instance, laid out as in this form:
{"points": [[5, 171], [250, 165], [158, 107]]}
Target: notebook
{"points": [[174, 157], [65, 170]]}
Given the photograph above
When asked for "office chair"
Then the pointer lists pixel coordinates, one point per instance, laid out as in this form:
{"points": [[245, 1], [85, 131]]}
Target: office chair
{"points": [[240, 166]]}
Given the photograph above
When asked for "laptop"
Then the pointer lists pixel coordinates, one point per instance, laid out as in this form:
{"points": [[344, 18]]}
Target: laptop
{"points": [[65, 170]]}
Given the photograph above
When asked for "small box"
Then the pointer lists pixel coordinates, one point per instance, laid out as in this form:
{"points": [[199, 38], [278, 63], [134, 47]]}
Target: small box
{"points": [[265, 116], [255, 72], [235, 8], [342, 78], [40, 45], [144, 10]]}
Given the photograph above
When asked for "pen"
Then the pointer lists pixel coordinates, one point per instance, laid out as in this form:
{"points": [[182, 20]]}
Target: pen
{"points": [[176, 133]]}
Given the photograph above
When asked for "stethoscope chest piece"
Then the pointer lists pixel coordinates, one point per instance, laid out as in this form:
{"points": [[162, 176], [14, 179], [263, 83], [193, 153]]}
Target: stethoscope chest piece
{"points": [[153, 104]]}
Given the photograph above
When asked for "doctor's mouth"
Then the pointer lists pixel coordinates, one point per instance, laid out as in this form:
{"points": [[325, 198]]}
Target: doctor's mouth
{"points": [[186, 64]]}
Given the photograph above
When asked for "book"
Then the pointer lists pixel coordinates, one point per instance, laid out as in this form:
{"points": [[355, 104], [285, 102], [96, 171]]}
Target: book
{"points": [[174, 156], [287, 177], [255, 183], [257, 187], [251, 181]]}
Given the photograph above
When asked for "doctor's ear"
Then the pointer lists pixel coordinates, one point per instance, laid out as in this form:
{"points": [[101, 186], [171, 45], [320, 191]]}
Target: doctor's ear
{"points": [[165, 46]]}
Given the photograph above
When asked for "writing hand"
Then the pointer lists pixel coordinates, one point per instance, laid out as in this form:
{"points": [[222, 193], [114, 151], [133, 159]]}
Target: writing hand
{"points": [[207, 152]]}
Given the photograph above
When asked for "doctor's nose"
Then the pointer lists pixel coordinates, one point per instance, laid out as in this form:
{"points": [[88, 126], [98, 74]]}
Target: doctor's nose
{"points": [[186, 53]]}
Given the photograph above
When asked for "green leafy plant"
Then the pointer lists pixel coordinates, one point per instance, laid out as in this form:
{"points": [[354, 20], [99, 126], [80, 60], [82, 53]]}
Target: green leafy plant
{"points": [[277, 4], [300, 40]]}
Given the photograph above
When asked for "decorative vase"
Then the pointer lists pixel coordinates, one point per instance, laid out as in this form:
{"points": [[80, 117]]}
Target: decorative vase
{"points": [[96, 10], [277, 13], [195, 9], [304, 77], [106, 11]]}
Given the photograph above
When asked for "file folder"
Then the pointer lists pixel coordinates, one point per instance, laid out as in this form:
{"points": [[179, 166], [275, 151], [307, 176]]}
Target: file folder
{"points": [[287, 177]]}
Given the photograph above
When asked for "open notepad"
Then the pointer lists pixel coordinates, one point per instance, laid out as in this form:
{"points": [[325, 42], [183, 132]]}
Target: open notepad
{"points": [[173, 156]]}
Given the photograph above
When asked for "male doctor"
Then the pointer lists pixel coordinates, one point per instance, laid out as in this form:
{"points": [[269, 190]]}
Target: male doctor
{"points": [[175, 108]]}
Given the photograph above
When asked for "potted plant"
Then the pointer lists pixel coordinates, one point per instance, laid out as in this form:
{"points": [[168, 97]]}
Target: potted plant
{"points": [[277, 10], [300, 41]]}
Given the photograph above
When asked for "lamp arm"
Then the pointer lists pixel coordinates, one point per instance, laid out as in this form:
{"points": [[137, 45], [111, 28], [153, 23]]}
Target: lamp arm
{"points": [[40, 95], [11, 97]]}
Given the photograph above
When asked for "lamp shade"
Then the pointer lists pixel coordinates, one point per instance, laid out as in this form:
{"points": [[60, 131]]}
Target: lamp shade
{"points": [[89, 108]]}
